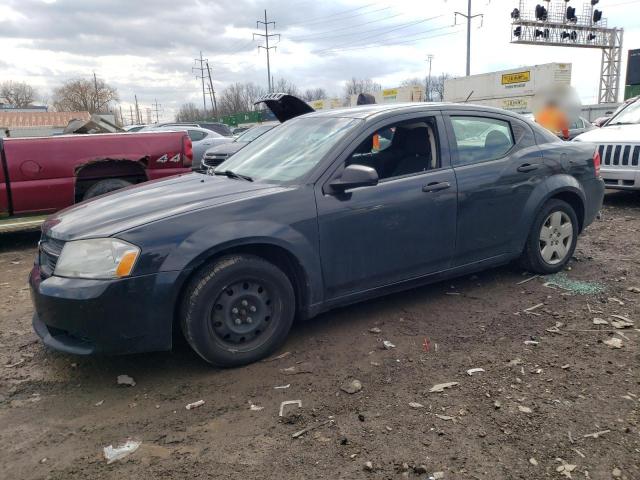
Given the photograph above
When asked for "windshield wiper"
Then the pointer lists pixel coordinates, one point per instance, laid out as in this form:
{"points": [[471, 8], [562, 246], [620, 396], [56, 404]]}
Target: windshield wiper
{"points": [[620, 123], [231, 174]]}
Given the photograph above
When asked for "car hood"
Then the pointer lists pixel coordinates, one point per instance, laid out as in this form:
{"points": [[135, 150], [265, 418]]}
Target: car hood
{"points": [[612, 134], [137, 205], [226, 148]]}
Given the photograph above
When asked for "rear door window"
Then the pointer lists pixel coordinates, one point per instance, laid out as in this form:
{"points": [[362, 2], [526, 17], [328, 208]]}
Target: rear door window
{"points": [[481, 139], [196, 135]]}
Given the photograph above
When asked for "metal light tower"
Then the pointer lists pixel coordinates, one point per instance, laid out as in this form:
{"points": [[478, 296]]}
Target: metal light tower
{"points": [[558, 24]]}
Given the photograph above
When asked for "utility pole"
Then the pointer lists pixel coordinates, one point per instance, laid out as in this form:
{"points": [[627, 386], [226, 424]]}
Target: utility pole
{"points": [[156, 109], [428, 92], [469, 17], [95, 94], [121, 117], [131, 114], [266, 35], [201, 69], [138, 118], [212, 92]]}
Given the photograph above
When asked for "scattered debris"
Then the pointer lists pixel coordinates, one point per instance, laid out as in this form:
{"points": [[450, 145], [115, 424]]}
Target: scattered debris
{"points": [[368, 466], [375, 330], [352, 387], [616, 300], [596, 434], [298, 369], [524, 409], [436, 476], [126, 380], [277, 357], [527, 279], [97, 404], [15, 364], [308, 429], [621, 322], [579, 452], [415, 405], [578, 287], [255, 408], [533, 461], [616, 472], [387, 345], [289, 402], [442, 386], [556, 328], [566, 468], [633, 289], [444, 417], [530, 310], [282, 387], [193, 405], [531, 342], [600, 321], [613, 343], [497, 404], [471, 371], [112, 454]]}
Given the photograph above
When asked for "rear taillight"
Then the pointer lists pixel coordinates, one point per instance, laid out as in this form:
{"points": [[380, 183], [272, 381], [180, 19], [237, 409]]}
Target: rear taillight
{"points": [[596, 162], [187, 151]]}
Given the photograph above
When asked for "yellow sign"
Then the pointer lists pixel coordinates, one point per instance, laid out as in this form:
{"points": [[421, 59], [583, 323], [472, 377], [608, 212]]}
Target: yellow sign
{"points": [[390, 92], [518, 77], [317, 104]]}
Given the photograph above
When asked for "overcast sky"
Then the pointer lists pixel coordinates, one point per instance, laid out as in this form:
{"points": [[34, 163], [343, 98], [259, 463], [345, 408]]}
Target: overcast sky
{"points": [[147, 47]]}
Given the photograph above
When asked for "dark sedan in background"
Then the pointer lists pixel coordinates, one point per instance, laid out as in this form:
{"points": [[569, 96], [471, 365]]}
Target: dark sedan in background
{"points": [[218, 154], [314, 214]]}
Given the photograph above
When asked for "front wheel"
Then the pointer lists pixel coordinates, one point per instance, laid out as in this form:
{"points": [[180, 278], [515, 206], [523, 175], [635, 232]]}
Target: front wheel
{"points": [[237, 310], [552, 239], [105, 186]]}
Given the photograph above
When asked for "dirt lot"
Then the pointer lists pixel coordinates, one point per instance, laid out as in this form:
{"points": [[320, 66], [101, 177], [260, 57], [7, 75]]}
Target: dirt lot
{"points": [[529, 415]]}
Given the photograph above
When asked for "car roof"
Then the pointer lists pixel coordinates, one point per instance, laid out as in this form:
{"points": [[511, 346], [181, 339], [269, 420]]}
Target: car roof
{"points": [[367, 111]]}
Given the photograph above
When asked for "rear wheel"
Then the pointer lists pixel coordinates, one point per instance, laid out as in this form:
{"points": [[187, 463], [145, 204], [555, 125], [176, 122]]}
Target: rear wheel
{"points": [[552, 239], [105, 186], [237, 310]]}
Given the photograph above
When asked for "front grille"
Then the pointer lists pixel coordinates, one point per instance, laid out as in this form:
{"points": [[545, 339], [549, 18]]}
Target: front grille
{"points": [[49, 251], [619, 155], [212, 161]]}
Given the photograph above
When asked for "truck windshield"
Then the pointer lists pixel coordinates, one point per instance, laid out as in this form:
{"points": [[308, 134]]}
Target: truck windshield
{"points": [[629, 115], [290, 151]]}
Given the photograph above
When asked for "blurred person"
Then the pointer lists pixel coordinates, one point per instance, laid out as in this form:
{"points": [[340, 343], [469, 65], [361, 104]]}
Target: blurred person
{"points": [[553, 118]]}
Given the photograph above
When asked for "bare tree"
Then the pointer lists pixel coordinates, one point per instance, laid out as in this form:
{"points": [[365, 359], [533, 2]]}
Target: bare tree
{"points": [[239, 97], [311, 94], [437, 87], [17, 94], [80, 94], [285, 86], [356, 86], [188, 112]]}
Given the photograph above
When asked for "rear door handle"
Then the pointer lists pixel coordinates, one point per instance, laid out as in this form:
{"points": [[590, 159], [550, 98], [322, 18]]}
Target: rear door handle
{"points": [[528, 167], [435, 186]]}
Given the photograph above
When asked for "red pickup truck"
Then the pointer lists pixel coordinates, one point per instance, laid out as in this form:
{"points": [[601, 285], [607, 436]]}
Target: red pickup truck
{"points": [[43, 175]]}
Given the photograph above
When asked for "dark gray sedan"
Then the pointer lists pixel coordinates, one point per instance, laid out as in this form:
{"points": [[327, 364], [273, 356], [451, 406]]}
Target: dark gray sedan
{"points": [[314, 214]]}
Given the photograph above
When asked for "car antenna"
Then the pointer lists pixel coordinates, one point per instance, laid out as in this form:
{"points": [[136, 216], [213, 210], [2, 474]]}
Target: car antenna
{"points": [[468, 97]]}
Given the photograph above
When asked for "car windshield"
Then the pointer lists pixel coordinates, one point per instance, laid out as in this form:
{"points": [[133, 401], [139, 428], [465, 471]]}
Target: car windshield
{"points": [[253, 133], [630, 114], [290, 151]]}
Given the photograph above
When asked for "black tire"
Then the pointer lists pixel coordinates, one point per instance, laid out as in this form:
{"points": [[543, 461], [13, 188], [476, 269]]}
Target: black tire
{"points": [[208, 303], [105, 186], [532, 258]]}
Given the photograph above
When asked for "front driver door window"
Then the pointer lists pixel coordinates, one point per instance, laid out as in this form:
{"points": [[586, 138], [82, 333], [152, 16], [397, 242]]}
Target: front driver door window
{"points": [[402, 228]]}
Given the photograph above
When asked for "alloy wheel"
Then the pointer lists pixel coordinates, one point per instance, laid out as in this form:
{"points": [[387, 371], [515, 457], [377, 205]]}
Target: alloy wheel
{"points": [[556, 236]]}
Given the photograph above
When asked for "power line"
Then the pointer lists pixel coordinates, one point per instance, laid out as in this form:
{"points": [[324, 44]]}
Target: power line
{"points": [[212, 93], [349, 27], [156, 109], [387, 44], [323, 18], [365, 38], [266, 35]]}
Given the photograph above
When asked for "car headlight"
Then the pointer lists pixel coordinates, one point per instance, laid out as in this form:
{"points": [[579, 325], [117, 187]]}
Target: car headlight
{"points": [[98, 258]]}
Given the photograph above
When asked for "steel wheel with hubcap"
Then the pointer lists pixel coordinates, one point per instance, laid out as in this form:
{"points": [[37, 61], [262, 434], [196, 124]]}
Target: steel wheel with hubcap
{"points": [[237, 310], [552, 238], [556, 237]]}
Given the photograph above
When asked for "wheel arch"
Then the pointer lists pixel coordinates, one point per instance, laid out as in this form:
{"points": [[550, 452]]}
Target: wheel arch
{"points": [[277, 254], [94, 171]]}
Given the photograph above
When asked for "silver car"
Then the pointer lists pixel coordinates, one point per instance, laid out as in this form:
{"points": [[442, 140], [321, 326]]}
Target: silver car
{"points": [[201, 138]]}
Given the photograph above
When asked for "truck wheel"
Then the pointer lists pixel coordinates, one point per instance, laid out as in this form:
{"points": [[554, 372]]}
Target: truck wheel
{"points": [[237, 310], [105, 186], [552, 239]]}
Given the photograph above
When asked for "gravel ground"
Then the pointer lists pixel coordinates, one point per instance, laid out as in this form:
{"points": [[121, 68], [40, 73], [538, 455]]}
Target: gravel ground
{"points": [[550, 384]]}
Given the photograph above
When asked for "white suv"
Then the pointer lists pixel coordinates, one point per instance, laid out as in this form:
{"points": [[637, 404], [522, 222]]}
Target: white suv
{"points": [[619, 147]]}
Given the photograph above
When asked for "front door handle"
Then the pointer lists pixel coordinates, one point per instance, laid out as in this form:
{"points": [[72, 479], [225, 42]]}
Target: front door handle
{"points": [[435, 186], [528, 167]]}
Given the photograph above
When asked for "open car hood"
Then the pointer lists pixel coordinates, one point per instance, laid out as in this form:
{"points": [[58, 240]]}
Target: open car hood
{"points": [[285, 106]]}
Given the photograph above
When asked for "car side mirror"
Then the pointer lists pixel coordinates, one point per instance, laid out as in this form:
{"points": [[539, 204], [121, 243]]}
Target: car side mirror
{"points": [[355, 176]]}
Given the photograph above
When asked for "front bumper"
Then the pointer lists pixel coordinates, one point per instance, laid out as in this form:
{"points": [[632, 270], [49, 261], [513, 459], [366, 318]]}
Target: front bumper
{"points": [[83, 317], [621, 178]]}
